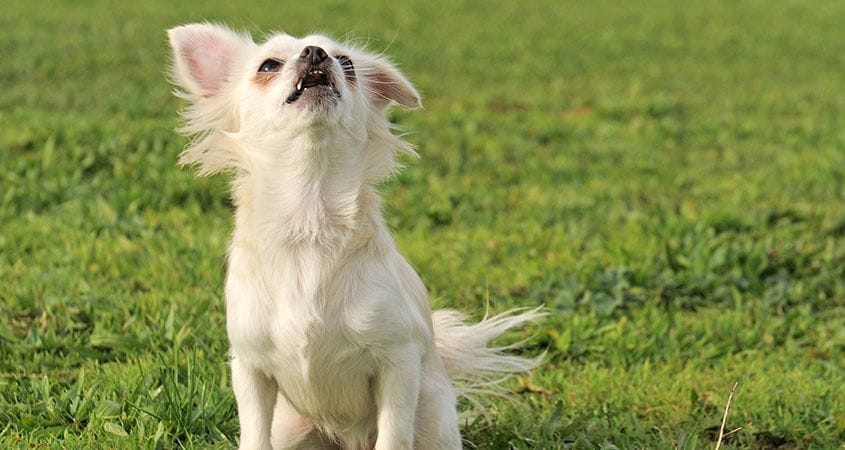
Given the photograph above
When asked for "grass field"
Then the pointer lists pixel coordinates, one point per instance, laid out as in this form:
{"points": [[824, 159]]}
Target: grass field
{"points": [[667, 177]]}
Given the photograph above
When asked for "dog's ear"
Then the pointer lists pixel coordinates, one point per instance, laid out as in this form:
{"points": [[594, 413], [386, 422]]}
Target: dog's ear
{"points": [[204, 56], [387, 84]]}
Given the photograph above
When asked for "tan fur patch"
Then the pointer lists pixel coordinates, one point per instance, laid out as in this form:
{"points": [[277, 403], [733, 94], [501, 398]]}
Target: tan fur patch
{"points": [[263, 79]]}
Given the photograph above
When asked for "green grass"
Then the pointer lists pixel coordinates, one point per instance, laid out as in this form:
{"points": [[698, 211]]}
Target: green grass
{"points": [[668, 177]]}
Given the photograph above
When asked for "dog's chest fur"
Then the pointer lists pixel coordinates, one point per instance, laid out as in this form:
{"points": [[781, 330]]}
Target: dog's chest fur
{"points": [[296, 322]]}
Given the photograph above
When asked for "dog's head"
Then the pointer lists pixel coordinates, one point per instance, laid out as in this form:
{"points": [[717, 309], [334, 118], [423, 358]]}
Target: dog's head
{"points": [[284, 100]]}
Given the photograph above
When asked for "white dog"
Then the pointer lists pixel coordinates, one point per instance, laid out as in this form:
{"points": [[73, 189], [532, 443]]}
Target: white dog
{"points": [[333, 342]]}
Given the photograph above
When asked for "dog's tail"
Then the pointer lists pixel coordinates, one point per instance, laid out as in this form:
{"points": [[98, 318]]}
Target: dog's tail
{"points": [[473, 365]]}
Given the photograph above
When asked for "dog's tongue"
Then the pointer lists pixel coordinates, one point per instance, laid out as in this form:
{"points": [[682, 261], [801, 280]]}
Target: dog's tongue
{"points": [[314, 78]]}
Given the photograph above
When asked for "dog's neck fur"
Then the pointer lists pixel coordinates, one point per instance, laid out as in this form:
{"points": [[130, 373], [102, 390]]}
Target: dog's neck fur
{"points": [[305, 191]]}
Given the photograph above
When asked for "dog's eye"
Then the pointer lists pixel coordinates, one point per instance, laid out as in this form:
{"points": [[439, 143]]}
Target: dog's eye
{"points": [[348, 68], [270, 65], [345, 63]]}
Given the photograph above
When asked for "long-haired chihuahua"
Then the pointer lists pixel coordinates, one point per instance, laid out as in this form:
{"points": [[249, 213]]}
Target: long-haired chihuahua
{"points": [[333, 341]]}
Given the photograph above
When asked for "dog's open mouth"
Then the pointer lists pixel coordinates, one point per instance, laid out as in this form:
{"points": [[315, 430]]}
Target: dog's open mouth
{"points": [[314, 78]]}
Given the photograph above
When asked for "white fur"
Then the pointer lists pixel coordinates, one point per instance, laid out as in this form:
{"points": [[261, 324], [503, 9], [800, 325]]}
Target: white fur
{"points": [[332, 337]]}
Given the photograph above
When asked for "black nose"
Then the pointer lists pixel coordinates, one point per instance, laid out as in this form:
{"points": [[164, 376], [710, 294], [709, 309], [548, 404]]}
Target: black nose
{"points": [[313, 54]]}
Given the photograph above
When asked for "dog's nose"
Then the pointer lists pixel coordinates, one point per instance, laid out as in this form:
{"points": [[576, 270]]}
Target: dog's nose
{"points": [[313, 54]]}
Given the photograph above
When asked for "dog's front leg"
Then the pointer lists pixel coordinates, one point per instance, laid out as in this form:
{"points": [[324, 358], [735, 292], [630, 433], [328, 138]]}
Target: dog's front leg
{"points": [[255, 394], [397, 395]]}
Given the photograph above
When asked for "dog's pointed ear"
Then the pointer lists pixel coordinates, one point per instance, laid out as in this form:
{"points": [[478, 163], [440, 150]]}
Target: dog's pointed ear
{"points": [[204, 56], [387, 84]]}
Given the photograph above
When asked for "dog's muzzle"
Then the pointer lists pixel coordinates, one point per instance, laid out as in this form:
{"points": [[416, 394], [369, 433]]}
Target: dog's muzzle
{"points": [[314, 67]]}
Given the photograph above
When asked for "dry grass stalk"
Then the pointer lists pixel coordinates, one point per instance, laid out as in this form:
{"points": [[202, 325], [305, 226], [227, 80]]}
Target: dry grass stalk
{"points": [[725, 417]]}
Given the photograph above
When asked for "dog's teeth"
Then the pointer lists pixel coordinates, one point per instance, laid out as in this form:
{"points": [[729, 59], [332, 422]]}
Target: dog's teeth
{"points": [[299, 85]]}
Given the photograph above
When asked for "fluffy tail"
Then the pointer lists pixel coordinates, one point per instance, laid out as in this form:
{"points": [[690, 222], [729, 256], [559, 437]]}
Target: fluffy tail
{"points": [[471, 363]]}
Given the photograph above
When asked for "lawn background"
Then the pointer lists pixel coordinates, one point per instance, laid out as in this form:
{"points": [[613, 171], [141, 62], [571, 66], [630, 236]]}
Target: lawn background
{"points": [[666, 176]]}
